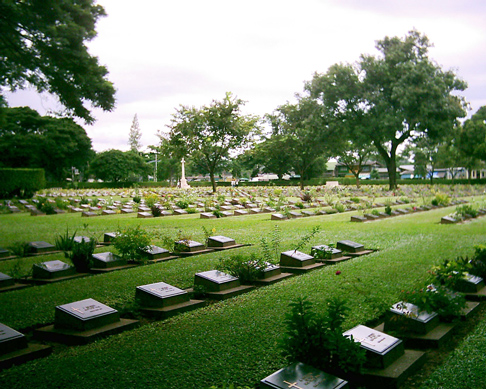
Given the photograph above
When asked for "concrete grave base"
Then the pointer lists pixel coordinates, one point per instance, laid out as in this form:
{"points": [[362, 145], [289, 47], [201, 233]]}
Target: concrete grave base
{"points": [[301, 270], [72, 337], [31, 352], [273, 279], [172, 310], [394, 375]]}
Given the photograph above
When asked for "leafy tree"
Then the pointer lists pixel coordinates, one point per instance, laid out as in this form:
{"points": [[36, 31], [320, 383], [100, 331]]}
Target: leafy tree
{"points": [[117, 165], [134, 135], [42, 44], [30, 140], [303, 129], [274, 155], [396, 97], [209, 134], [471, 140]]}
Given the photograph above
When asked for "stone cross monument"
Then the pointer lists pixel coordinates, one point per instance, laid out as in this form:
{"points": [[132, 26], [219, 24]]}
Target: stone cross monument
{"points": [[184, 184]]}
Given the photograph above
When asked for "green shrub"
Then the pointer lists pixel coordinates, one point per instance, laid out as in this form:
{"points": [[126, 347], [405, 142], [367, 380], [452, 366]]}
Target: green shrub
{"points": [[20, 248], [448, 305], [182, 204], [45, 206], [466, 209], [246, 268], [317, 339], [478, 261], [451, 272], [156, 211], [22, 183], [131, 241], [150, 200], [323, 253], [82, 255], [65, 242]]}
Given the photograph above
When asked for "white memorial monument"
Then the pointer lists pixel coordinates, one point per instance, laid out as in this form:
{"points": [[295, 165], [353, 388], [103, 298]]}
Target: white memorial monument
{"points": [[184, 184]]}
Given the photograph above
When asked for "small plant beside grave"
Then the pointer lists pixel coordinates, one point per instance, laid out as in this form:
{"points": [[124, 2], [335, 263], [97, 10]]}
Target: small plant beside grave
{"points": [[132, 242], [19, 248], [317, 339], [441, 199], [451, 272], [478, 261], [447, 304], [82, 255], [156, 211], [45, 206], [465, 210], [65, 242], [323, 253]]}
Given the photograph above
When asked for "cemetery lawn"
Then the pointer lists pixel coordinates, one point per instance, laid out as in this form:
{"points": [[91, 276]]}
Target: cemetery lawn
{"points": [[235, 340]]}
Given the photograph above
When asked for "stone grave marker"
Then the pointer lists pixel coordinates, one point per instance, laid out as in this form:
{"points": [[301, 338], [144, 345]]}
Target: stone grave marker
{"points": [[220, 241], [408, 318], [295, 259], [296, 262], [216, 281], [448, 220], [240, 212], [11, 340], [79, 239], [6, 281], [350, 246], [207, 215], [278, 216], [4, 253], [358, 219], [157, 254], [52, 269], [144, 215], [84, 315], [41, 247], [107, 260], [302, 376], [89, 214], [381, 349], [109, 237], [160, 295], [188, 246], [469, 284]]}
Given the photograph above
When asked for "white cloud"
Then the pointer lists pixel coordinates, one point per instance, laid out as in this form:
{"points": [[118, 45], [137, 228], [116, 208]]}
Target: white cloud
{"points": [[161, 53]]}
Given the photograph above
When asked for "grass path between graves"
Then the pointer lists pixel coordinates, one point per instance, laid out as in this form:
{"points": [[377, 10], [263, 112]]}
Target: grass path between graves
{"points": [[237, 340]]}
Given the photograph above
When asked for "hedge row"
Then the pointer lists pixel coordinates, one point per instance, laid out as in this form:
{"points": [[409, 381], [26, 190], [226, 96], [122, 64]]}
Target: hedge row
{"points": [[311, 182], [22, 183]]}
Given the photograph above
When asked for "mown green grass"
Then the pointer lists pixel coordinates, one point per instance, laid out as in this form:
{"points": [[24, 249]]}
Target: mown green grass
{"points": [[233, 341]]}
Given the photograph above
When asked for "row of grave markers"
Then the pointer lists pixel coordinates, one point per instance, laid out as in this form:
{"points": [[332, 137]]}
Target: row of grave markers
{"points": [[83, 321]]}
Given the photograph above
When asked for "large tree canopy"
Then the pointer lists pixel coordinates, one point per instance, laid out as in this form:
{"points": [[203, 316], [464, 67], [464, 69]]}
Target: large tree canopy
{"points": [[398, 96], [305, 134], [472, 138], [117, 165], [30, 140], [207, 135], [42, 44]]}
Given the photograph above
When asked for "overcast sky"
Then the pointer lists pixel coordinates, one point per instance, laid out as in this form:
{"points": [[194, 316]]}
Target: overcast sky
{"points": [[162, 54]]}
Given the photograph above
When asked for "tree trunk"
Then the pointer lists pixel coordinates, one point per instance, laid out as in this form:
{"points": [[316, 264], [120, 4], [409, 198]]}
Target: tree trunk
{"points": [[213, 183], [391, 167]]}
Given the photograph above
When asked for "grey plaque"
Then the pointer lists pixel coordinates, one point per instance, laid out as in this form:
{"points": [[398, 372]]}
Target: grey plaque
{"points": [[6, 280], [220, 241], [188, 246], [11, 340], [302, 376], [413, 312], [372, 340], [52, 269], [216, 281], [295, 258], [41, 247], [350, 246], [160, 294], [84, 315], [107, 260]]}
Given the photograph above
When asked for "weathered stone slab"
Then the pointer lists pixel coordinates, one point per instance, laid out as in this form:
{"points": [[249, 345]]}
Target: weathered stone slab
{"points": [[293, 258], [159, 295], [406, 317], [207, 215], [350, 246], [52, 269], [302, 376], [278, 216], [219, 241], [381, 349], [216, 281], [40, 247], [107, 260]]}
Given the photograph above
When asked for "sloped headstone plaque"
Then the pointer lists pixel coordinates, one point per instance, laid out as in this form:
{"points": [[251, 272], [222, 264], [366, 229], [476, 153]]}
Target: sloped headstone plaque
{"points": [[11, 340], [295, 258], [220, 241], [302, 376], [84, 315], [408, 317], [107, 260], [52, 269], [156, 252], [40, 247], [381, 349], [332, 252], [350, 246], [160, 295], [6, 280], [188, 246], [216, 281]]}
